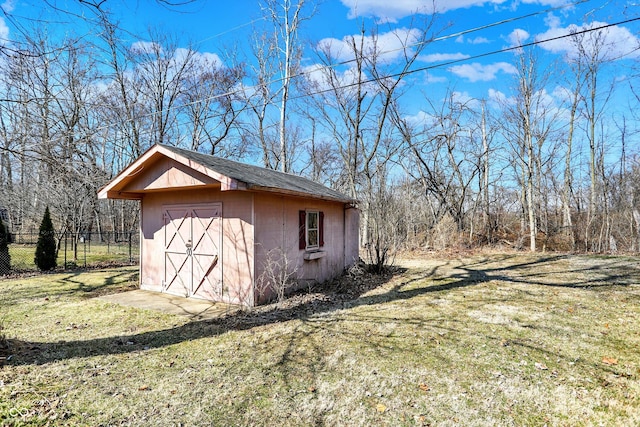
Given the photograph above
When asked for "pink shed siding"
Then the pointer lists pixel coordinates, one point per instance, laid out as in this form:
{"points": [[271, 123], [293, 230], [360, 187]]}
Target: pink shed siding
{"points": [[237, 239], [253, 225], [277, 225]]}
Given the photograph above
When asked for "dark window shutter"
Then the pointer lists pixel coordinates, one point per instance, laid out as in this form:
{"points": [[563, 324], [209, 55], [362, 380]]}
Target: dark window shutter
{"points": [[321, 228], [302, 232]]}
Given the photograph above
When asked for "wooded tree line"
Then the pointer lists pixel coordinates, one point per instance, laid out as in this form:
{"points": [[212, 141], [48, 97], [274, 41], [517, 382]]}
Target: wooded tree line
{"points": [[528, 169]]}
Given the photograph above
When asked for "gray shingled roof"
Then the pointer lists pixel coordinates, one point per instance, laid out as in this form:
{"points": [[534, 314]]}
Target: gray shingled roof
{"points": [[258, 177]]}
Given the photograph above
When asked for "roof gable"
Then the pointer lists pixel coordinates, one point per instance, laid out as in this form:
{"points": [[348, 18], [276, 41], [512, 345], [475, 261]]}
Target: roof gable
{"points": [[167, 173], [185, 168]]}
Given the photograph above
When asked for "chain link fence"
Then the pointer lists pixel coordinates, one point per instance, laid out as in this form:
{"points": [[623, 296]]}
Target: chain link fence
{"points": [[76, 250]]}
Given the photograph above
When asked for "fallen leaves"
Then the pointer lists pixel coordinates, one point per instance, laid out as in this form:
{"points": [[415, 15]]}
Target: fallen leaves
{"points": [[610, 361], [541, 366], [380, 407]]}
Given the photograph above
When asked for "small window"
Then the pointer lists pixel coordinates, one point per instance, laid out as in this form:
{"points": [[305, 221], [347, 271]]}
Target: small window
{"points": [[311, 230]]}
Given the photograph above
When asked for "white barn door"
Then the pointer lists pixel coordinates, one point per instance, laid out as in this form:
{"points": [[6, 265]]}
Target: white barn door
{"points": [[192, 242]]}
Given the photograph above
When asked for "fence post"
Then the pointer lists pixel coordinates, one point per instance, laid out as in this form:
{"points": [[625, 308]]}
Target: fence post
{"points": [[65, 249], [130, 257], [84, 245]]}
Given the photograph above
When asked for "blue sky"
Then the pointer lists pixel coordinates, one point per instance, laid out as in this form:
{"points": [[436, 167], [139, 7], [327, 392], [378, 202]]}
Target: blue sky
{"points": [[213, 26]]}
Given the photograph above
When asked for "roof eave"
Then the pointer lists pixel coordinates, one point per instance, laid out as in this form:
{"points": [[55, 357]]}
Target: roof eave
{"points": [[122, 195], [294, 193]]}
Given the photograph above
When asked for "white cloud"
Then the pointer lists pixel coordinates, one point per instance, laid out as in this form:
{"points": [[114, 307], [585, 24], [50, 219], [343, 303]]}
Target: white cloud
{"points": [[145, 47], [478, 40], [386, 10], [478, 72], [499, 98], [562, 93], [463, 98], [203, 62], [397, 9], [430, 78], [443, 57], [205, 59], [315, 74], [325, 78], [546, 2], [517, 37], [607, 43], [421, 118], [180, 55], [475, 40], [8, 6], [4, 31], [387, 46], [546, 99], [545, 103], [552, 21], [102, 86]]}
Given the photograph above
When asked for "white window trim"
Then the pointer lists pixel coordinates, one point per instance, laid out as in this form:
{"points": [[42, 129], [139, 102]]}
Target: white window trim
{"points": [[317, 229]]}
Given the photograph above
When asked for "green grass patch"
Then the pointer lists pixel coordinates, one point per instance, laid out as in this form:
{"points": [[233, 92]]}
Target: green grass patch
{"points": [[22, 255], [491, 339]]}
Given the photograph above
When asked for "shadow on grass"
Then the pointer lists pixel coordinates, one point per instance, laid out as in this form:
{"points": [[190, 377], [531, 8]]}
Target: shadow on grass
{"points": [[341, 294], [120, 282], [72, 282]]}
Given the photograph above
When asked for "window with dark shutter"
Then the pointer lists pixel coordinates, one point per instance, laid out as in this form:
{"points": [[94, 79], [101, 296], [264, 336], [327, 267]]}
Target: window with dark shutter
{"points": [[311, 230]]}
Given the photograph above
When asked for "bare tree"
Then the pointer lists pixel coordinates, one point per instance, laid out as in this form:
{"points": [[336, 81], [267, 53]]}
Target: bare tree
{"points": [[530, 121], [259, 96], [160, 68], [577, 79], [209, 101], [593, 53], [121, 102], [286, 16], [444, 158], [356, 104]]}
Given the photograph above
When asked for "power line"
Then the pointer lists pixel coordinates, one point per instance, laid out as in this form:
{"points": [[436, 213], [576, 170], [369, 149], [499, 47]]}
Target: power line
{"points": [[409, 72], [455, 35], [103, 15], [346, 62], [522, 46], [230, 30], [393, 75]]}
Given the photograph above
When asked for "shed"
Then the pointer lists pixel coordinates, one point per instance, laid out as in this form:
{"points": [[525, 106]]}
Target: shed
{"points": [[221, 230]]}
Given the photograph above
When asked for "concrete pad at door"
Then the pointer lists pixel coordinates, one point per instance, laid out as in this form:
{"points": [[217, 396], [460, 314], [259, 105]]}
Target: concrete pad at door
{"points": [[196, 309]]}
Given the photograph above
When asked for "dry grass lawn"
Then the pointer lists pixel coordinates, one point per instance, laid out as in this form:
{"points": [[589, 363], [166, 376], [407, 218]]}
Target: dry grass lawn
{"points": [[486, 339]]}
